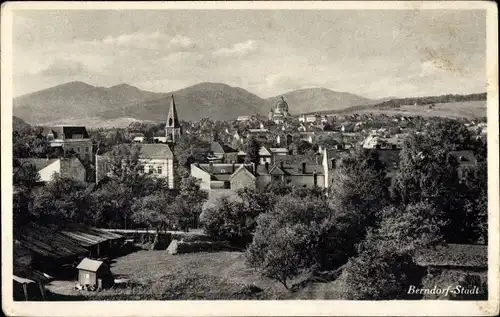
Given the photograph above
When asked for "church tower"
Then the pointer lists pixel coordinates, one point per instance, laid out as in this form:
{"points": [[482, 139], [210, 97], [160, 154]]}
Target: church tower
{"points": [[173, 127]]}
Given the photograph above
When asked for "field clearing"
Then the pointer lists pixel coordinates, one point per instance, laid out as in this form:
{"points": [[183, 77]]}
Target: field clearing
{"points": [[466, 109]]}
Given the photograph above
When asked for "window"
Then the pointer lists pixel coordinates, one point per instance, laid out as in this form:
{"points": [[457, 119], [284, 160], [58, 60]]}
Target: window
{"points": [[151, 169], [141, 169], [50, 136], [159, 169], [86, 149], [78, 149]]}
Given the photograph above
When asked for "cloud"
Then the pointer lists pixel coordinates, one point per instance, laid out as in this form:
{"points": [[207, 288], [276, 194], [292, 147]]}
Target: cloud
{"points": [[62, 68], [154, 40], [238, 49]]}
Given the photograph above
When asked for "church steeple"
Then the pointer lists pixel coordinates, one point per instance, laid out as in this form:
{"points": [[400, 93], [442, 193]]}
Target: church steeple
{"points": [[172, 128]]}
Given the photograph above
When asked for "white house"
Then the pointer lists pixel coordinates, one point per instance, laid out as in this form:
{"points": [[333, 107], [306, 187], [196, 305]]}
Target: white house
{"points": [[70, 168]]}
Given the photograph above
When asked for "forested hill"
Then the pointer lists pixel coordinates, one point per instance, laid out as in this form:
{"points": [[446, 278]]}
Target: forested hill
{"points": [[429, 100], [411, 101]]}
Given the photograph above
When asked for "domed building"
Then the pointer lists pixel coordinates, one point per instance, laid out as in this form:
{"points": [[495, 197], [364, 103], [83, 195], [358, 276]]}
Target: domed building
{"points": [[280, 112]]}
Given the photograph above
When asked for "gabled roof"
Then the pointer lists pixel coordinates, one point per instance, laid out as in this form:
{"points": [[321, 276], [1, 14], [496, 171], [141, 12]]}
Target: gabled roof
{"points": [[276, 170], [296, 169], [242, 169], [217, 147], [89, 265], [155, 151], [68, 131], [264, 152], [38, 163]]}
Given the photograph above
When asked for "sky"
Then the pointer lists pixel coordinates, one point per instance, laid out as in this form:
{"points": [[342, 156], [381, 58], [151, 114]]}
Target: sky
{"points": [[374, 54]]}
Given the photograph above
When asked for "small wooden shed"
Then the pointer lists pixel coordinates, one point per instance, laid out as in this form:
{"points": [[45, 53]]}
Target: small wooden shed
{"points": [[94, 273]]}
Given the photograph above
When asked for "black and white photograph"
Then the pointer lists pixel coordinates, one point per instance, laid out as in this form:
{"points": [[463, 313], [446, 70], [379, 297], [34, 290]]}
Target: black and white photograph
{"points": [[165, 153]]}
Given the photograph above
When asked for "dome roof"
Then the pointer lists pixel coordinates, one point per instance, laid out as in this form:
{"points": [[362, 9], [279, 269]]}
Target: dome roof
{"points": [[282, 103], [281, 106]]}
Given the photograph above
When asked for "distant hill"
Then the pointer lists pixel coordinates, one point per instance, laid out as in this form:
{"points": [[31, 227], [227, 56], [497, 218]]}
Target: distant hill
{"points": [[214, 100], [18, 123], [81, 103], [311, 100], [76, 100]]}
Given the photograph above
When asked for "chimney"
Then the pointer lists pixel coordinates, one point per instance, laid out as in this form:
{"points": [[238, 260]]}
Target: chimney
{"points": [[303, 167], [234, 167], [266, 164]]}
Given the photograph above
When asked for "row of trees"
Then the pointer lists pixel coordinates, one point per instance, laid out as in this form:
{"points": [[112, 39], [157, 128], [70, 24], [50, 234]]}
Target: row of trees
{"points": [[126, 199]]}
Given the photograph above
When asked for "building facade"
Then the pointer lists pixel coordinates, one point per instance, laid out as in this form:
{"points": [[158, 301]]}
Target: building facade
{"points": [[70, 139]]}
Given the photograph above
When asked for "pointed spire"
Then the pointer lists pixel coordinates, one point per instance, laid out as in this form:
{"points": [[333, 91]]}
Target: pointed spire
{"points": [[172, 119]]}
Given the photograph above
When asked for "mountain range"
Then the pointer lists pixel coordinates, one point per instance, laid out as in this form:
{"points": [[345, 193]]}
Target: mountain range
{"points": [[81, 103]]}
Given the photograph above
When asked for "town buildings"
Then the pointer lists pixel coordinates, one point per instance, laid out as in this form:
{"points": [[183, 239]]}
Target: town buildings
{"points": [[231, 177]]}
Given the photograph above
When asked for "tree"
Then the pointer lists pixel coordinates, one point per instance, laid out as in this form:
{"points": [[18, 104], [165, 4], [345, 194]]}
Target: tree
{"points": [[30, 142], [429, 174], [25, 176], [155, 211], [280, 258], [188, 150], [384, 268], [360, 185], [286, 241], [252, 151], [225, 221], [190, 201]]}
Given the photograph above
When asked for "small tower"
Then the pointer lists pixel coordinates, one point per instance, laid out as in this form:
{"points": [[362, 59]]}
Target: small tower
{"points": [[173, 127]]}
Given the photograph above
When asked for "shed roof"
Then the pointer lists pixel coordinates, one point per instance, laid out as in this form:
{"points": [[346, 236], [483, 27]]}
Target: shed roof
{"points": [[90, 265], [22, 280], [58, 241]]}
